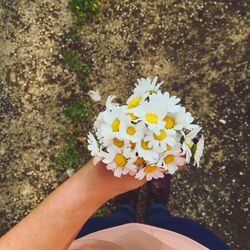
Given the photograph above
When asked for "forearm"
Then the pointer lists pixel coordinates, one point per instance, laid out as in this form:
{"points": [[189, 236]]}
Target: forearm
{"points": [[56, 221]]}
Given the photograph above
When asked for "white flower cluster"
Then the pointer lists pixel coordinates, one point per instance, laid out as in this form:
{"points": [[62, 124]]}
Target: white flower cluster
{"points": [[149, 136]]}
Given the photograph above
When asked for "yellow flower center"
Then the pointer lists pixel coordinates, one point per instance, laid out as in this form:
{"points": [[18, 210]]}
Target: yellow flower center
{"points": [[139, 161], [169, 122], [150, 169], [151, 118], [168, 147], [118, 143], [132, 145], [115, 125], [144, 145], [130, 130], [161, 136], [189, 143], [134, 102], [120, 160], [132, 116], [168, 159]]}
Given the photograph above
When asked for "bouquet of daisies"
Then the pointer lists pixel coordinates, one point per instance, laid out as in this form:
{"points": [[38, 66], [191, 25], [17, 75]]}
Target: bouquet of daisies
{"points": [[149, 136]]}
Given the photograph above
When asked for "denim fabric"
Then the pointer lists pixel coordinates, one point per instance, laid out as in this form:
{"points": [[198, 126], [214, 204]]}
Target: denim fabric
{"points": [[156, 215]]}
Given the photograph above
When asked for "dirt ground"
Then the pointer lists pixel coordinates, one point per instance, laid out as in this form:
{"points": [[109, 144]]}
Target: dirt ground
{"points": [[199, 48]]}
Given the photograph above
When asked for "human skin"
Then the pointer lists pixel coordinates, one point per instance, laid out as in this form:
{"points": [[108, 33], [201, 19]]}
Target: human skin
{"points": [[55, 223]]}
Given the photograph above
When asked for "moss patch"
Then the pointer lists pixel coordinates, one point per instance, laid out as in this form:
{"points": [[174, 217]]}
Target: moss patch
{"points": [[84, 8]]}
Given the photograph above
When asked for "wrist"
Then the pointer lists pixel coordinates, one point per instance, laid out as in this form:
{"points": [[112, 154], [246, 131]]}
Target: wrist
{"points": [[94, 186]]}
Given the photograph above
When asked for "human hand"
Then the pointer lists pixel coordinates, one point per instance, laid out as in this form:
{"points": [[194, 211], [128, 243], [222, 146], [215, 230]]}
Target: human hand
{"points": [[105, 181]]}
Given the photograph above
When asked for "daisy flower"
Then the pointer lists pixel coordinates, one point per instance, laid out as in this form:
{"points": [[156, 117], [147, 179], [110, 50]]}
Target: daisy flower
{"points": [[146, 152], [116, 142], [131, 116], [179, 120], [95, 148], [117, 161], [171, 160], [134, 101], [168, 103], [147, 86], [146, 136], [132, 132], [152, 114], [111, 126], [199, 147], [142, 90], [150, 172], [158, 141], [136, 159], [109, 103], [139, 161], [188, 142], [98, 123]]}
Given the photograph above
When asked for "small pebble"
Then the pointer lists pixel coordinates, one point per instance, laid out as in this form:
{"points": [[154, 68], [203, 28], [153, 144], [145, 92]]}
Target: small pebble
{"points": [[222, 121]]}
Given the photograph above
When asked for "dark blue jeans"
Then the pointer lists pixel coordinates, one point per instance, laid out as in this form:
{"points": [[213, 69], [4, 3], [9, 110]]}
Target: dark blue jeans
{"points": [[156, 215]]}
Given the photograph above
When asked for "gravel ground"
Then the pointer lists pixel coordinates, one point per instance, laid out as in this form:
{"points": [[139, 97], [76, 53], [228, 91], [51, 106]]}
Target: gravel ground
{"points": [[33, 85], [199, 48]]}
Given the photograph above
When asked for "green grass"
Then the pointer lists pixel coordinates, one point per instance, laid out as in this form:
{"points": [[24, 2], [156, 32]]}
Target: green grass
{"points": [[76, 110], [69, 156], [72, 33], [75, 62], [84, 8]]}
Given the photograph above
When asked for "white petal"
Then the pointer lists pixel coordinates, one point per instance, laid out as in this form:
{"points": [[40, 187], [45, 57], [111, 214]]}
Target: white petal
{"points": [[199, 151], [140, 175], [193, 133], [149, 177], [118, 172], [111, 166], [94, 95], [170, 140], [180, 161], [97, 159], [172, 168], [125, 171]]}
